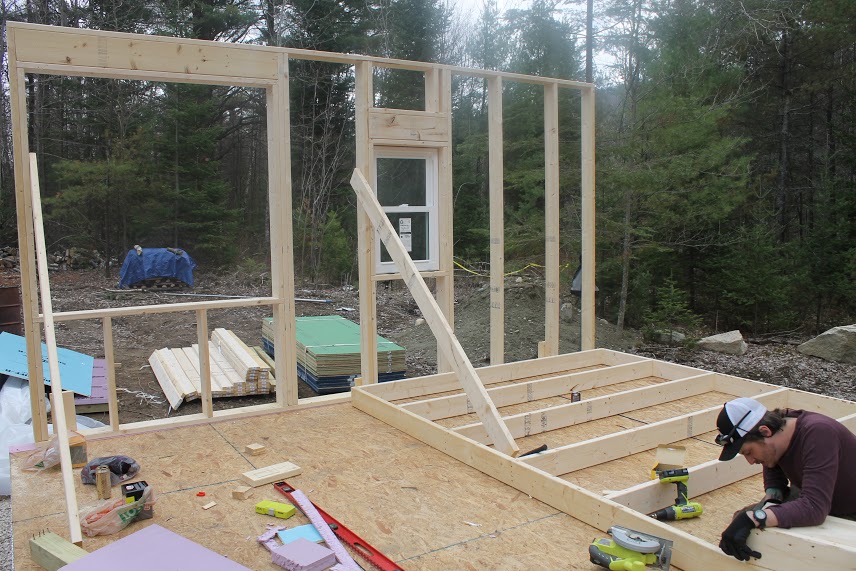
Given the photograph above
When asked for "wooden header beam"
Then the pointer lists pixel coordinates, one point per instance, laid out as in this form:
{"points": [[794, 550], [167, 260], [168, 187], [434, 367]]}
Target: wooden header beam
{"points": [[49, 49]]}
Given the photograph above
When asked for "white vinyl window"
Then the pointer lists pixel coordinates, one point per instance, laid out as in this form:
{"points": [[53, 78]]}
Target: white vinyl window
{"points": [[407, 189]]}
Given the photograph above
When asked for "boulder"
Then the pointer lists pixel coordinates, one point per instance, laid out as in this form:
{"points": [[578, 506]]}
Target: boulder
{"points": [[568, 312], [837, 344], [731, 343]]}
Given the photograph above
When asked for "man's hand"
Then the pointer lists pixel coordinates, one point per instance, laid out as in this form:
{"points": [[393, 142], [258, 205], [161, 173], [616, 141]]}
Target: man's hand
{"points": [[734, 538]]}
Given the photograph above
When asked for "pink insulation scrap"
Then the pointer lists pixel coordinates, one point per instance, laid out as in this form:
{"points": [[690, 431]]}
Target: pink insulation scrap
{"points": [[303, 555], [267, 539]]}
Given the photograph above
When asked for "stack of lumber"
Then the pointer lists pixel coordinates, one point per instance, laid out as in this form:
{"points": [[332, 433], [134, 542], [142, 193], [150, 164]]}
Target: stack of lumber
{"points": [[328, 353], [236, 370]]}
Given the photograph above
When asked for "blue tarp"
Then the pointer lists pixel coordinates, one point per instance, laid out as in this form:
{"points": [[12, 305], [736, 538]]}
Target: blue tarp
{"points": [[156, 263]]}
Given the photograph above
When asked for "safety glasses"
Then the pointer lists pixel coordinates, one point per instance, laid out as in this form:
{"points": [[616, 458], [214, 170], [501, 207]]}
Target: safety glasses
{"points": [[726, 439]]}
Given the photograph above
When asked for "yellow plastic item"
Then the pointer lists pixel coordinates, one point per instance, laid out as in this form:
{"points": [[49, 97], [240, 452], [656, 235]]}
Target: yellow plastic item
{"points": [[281, 510]]}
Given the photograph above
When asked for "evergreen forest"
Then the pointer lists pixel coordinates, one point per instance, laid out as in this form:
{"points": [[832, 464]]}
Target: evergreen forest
{"points": [[726, 144]]}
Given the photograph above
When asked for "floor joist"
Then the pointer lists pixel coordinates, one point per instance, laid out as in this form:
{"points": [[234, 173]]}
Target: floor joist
{"points": [[537, 475]]}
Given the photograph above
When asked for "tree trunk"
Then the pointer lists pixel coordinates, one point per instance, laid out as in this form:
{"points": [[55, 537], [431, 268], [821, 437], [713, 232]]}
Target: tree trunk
{"points": [[783, 190], [625, 261]]}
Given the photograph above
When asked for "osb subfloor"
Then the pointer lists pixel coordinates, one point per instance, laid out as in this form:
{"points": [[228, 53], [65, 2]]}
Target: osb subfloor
{"points": [[421, 508]]}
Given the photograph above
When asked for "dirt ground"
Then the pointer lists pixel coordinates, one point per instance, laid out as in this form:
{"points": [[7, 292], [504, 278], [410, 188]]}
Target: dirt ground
{"points": [[135, 338]]}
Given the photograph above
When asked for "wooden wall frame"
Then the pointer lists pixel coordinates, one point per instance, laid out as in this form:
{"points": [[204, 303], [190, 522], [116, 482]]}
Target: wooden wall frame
{"points": [[34, 48]]}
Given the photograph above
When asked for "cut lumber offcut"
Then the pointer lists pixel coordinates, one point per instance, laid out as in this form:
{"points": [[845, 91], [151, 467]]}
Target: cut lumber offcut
{"points": [[242, 493], [52, 552], [273, 473], [447, 343], [254, 449]]}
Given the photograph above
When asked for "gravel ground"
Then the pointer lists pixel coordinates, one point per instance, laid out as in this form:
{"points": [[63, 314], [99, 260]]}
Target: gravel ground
{"points": [[6, 561]]}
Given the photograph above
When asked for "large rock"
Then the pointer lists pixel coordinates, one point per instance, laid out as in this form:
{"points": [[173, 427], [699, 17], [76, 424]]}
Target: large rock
{"points": [[731, 343], [837, 344]]}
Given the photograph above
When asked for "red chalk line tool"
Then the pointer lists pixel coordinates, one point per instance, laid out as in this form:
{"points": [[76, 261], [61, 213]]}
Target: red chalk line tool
{"points": [[354, 541]]}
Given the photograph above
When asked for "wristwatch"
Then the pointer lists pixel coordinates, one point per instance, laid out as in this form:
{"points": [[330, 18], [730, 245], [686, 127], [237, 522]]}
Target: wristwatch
{"points": [[761, 518]]}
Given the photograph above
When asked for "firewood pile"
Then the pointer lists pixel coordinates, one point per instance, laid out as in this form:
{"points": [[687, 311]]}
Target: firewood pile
{"points": [[70, 259], [8, 257]]}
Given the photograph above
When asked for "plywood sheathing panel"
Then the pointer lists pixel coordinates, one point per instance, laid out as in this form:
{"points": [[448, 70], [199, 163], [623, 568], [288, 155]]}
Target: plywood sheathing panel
{"points": [[409, 500]]}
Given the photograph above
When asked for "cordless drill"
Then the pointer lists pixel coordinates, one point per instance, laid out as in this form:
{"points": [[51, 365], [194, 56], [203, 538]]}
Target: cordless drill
{"points": [[683, 508]]}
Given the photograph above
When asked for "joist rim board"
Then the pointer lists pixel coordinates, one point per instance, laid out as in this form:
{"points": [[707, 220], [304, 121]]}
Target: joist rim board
{"points": [[834, 531], [514, 371], [779, 546], [529, 391], [273, 53], [588, 453], [688, 552], [573, 413]]}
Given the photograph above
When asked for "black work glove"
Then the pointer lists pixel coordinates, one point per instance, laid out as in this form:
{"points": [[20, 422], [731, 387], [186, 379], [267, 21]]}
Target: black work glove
{"points": [[734, 538]]}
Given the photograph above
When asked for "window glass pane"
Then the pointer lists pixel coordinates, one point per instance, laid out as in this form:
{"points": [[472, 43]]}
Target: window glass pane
{"points": [[401, 181], [412, 228]]}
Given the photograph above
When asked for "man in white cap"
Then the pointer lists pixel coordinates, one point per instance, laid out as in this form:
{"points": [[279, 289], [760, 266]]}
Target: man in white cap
{"points": [[809, 463]]}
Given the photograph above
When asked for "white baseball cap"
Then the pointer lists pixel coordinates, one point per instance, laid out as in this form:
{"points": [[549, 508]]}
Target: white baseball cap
{"points": [[737, 418]]}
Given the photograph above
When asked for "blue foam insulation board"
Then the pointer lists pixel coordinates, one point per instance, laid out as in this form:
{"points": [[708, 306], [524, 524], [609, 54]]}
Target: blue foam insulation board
{"points": [[75, 369]]}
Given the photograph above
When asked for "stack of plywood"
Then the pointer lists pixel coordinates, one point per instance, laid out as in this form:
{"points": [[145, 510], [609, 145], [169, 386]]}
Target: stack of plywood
{"points": [[236, 370], [328, 352]]}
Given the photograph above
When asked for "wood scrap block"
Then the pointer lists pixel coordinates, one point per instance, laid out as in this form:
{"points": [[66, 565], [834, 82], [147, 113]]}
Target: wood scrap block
{"points": [[254, 449], [273, 473], [209, 505], [242, 493], [51, 551]]}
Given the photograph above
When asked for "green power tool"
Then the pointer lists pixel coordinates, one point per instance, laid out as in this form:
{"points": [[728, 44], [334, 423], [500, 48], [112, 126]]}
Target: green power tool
{"points": [[630, 550], [683, 508]]}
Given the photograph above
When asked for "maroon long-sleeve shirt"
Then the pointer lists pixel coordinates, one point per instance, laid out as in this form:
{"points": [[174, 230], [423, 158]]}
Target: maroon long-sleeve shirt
{"points": [[821, 461]]}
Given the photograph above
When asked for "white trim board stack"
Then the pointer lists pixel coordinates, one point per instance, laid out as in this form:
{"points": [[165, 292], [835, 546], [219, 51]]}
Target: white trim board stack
{"points": [[236, 370], [630, 405]]}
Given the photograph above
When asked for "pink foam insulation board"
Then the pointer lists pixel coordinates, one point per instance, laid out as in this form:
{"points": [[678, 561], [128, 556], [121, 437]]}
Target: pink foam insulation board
{"points": [[97, 401], [154, 547], [303, 555]]}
